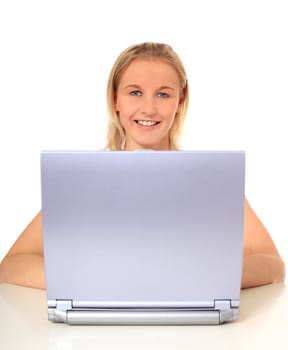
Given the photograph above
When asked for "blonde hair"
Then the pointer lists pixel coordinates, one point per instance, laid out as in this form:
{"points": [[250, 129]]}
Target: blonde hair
{"points": [[164, 52]]}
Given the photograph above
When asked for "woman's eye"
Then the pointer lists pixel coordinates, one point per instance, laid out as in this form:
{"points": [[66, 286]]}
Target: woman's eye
{"points": [[163, 95], [135, 93]]}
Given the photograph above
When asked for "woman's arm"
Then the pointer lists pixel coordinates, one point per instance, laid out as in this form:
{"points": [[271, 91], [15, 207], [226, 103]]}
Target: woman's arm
{"points": [[262, 263], [24, 263]]}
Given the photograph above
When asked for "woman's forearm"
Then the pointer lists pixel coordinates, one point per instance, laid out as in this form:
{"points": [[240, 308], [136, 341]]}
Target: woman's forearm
{"points": [[261, 269], [28, 270], [23, 269]]}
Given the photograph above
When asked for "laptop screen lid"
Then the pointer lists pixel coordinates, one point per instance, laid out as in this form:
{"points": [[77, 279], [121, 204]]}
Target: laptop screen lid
{"points": [[142, 230]]}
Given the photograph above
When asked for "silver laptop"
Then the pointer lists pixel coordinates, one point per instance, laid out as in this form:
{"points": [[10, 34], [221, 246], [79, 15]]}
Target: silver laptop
{"points": [[143, 237]]}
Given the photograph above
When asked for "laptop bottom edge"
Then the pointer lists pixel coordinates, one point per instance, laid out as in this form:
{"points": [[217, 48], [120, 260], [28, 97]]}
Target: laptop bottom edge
{"points": [[147, 317]]}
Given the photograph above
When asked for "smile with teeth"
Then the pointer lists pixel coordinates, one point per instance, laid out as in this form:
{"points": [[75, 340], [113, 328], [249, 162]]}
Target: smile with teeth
{"points": [[146, 122]]}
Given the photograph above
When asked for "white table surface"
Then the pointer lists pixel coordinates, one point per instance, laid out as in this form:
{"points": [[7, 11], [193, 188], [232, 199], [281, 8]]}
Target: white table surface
{"points": [[263, 324]]}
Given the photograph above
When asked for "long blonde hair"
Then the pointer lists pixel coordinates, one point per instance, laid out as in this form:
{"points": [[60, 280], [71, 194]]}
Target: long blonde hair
{"points": [[115, 131]]}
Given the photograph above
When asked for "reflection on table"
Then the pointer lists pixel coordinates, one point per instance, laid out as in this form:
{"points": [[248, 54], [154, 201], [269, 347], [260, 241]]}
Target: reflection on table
{"points": [[263, 323]]}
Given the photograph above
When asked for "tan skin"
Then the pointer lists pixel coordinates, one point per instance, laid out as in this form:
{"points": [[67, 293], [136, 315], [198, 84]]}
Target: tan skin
{"points": [[148, 116]]}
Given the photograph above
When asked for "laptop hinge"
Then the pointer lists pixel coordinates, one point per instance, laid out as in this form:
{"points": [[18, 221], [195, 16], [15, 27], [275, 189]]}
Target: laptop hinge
{"points": [[222, 304], [142, 317], [57, 310], [228, 312], [61, 311]]}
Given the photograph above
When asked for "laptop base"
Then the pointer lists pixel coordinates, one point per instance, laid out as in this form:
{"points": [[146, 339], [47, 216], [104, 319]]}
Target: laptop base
{"points": [[143, 317]]}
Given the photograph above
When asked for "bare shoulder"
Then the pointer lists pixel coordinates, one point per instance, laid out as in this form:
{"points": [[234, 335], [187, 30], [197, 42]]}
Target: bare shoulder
{"points": [[30, 240]]}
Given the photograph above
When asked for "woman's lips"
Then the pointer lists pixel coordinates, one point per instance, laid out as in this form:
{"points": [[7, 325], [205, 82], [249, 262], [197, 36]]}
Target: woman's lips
{"points": [[147, 123]]}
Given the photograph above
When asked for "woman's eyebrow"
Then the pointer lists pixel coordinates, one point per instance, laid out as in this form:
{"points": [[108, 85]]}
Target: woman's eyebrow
{"points": [[136, 86], [165, 87]]}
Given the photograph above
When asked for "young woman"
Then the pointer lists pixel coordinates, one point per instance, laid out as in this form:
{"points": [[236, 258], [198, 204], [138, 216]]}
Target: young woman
{"points": [[147, 97]]}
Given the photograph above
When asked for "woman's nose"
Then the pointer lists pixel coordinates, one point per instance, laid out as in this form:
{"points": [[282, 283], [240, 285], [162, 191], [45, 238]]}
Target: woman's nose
{"points": [[148, 106]]}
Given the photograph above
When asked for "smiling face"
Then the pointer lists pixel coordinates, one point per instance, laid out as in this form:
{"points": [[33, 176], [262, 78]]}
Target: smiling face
{"points": [[147, 100]]}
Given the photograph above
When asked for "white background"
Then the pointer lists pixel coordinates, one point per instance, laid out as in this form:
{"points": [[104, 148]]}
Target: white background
{"points": [[55, 57]]}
